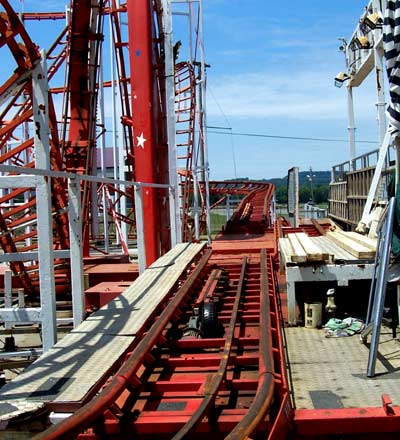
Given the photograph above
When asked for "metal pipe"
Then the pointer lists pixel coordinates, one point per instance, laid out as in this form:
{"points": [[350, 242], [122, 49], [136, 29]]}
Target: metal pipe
{"points": [[176, 235], [7, 293], [380, 82], [381, 288], [351, 127], [373, 281], [103, 155], [32, 352], [43, 205], [203, 123], [148, 160], [139, 216], [65, 175], [76, 257]]}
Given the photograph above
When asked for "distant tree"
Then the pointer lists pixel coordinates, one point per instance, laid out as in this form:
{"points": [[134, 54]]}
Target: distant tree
{"points": [[304, 194], [321, 194], [281, 194]]}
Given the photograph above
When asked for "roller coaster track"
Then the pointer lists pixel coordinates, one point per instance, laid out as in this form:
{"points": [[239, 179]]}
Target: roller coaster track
{"points": [[17, 206], [72, 133], [209, 362]]}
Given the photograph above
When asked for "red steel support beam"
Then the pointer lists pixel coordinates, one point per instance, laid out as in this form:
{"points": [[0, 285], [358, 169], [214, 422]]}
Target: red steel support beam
{"points": [[76, 154], [77, 151], [141, 53], [347, 421]]}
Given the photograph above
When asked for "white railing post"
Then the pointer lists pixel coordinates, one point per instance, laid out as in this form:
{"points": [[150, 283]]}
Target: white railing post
{"points": [[175, 235], [140, 228], [40, 91], [76, 257], [7, 293], [46, 264]]}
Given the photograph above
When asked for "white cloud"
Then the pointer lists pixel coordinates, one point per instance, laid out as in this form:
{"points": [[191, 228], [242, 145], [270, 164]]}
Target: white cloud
{"points": [[286, 94]]}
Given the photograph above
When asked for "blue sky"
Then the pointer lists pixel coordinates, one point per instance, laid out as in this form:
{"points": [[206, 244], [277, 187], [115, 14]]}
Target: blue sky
{"points": [[272, 70]]}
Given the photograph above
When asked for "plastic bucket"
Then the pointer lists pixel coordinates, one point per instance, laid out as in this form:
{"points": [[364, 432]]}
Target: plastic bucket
{"points": [[313, 314]]}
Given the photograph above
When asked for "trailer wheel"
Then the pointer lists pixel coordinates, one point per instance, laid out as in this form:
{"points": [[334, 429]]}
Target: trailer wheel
{"points": [[209, 320]]}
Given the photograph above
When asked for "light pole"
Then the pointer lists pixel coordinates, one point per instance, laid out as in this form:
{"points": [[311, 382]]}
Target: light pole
{"points": [[310, 178], [340, 79]]}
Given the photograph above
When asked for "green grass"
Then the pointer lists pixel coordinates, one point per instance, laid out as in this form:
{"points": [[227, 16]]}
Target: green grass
{"points": [[217, 221]]}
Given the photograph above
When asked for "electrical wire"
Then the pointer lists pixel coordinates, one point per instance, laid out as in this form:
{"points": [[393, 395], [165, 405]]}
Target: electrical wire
{"points": [[225, 128], [212, 129]]}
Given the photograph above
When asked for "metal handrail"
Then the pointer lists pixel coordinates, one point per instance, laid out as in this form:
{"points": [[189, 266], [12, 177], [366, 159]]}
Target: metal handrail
{"points": [[364, 160]]}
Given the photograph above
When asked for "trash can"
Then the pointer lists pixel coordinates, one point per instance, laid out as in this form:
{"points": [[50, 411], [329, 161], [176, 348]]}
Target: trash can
{"points": [[313, 314]]}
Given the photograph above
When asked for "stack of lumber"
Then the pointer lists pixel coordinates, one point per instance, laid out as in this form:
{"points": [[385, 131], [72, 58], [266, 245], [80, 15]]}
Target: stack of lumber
{"points": [[303, 248], [360, 246], [338, 245]]}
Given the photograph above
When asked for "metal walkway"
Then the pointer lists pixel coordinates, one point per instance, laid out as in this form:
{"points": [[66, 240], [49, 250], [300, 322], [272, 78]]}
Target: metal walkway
{"points": [[330, 373], [72, 371]]}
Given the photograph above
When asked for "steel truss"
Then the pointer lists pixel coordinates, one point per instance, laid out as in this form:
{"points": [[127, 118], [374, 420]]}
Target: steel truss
{"points": [[76, 122]]}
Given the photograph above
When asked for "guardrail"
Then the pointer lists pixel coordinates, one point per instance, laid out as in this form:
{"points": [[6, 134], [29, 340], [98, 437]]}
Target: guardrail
{"points": [[39, 181], [350, 183]]}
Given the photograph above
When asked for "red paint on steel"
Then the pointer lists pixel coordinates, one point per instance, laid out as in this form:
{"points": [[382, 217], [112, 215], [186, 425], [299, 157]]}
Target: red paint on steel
{"points": [[139, 397], [265, 392], [101, 294], [214, 381], [185, 105], [144, 148], [346, 421], [15, 117], [126, 376], [80, 147]]}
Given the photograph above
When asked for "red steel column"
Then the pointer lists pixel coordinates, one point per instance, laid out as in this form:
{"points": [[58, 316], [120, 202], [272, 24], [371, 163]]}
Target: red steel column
{"points": [[79, 144], [142, 71]]}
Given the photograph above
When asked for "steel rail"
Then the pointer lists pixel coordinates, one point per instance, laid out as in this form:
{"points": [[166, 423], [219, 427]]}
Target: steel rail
{"points": [[267, 203], [213, 385], [262, 401], [126, 375], [209, 287]]}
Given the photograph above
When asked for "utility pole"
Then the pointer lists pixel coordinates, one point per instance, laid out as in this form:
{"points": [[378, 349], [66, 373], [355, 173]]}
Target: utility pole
{"points": [[310, 178]]}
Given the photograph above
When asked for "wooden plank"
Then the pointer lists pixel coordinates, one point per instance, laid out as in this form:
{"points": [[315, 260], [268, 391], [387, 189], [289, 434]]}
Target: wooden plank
{"points": [[318, 227], [285, 251], [334, 251], [280, 232], [299, 255], [357, 250], [327, 255], [363, 239], [314, 253]]}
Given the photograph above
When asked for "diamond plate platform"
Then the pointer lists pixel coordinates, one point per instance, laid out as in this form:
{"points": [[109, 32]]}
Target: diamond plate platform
{"points": [[70, 371], [331, 372]]}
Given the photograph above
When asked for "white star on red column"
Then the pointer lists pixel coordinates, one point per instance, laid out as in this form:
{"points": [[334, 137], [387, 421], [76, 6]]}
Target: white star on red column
{"points": [[140, 140]]}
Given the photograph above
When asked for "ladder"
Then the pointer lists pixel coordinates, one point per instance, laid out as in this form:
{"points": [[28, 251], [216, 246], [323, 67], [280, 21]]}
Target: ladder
{"points": [[185, 110]]}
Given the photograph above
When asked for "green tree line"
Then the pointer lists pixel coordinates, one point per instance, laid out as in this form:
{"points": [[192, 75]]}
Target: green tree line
{"points": [[321, 193]]}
